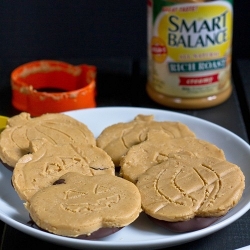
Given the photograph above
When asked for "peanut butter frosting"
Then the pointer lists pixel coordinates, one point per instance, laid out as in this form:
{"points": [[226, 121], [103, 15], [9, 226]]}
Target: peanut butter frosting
{"points": [[83, 204], [56, 128], [157, 149], [184, 187], [118, 138], [46, 162]]}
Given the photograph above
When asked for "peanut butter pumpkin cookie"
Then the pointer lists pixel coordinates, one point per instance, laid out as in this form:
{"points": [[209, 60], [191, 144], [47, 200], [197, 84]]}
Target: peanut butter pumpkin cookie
{"points": [[56, 128], [118, 138], [157, 149], [83, 205], [184, 187], [48, 161]]}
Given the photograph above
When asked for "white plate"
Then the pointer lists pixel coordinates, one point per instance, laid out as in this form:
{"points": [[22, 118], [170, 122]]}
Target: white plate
{"points": [[142, 234]]}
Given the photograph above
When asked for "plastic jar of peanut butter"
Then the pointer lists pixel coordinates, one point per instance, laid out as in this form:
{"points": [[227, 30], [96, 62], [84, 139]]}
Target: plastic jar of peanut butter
{"points": [[189, 52]]}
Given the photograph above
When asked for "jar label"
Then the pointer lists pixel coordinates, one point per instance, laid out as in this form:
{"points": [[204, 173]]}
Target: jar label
{"points": [[189, 47]]}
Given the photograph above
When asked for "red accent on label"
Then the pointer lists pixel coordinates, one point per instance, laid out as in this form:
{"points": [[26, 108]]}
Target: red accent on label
{"points": [[158, 49], [198, 81], [149, 3]]}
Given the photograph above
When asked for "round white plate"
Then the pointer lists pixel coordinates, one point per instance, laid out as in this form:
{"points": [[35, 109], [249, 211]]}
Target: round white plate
{"points": [[142, 234]]}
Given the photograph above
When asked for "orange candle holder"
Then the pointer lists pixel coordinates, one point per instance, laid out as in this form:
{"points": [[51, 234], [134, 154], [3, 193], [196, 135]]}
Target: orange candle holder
{"points": [[49, 86]]}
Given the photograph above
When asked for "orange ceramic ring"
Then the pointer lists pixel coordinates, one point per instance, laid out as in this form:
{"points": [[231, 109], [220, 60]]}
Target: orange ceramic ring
{"points": [[49, 86]]}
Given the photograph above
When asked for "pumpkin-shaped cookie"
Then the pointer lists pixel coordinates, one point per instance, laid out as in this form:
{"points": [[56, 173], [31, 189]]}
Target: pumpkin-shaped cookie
{"points": [[83, 205], [47, 162], [118, 138], [157, 149], [184, 187], [56, 128]]}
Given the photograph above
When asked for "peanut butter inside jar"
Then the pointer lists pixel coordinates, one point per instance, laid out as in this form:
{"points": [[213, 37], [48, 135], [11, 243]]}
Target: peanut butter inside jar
{"points": [[189, 52]]}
